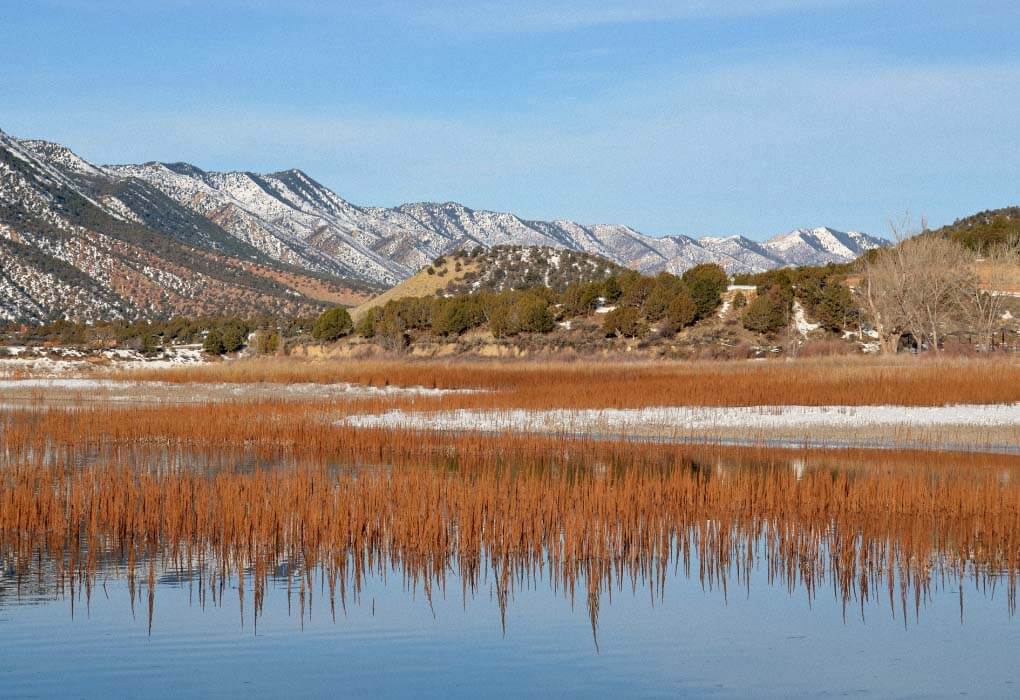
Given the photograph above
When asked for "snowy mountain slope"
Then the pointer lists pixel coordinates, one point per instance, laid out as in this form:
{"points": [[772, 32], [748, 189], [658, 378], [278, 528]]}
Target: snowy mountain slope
{"points": [[76, 243], [819, 246], [293, 218], [745, 254], [285, 215], [173, 227]]}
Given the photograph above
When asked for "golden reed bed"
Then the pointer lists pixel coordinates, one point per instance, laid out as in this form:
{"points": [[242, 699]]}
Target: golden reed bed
{"points": [[903, 381], [586, 516]]}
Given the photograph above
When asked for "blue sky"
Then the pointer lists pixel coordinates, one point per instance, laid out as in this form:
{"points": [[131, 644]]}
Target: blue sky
{"points": [[698, 117]]}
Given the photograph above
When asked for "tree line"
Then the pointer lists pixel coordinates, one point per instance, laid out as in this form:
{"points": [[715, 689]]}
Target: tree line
{"points": [[216, 334], [632, 303], [918, 292]]}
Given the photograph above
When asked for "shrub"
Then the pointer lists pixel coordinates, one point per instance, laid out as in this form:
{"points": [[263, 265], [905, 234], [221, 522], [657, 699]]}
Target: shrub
{"points": [[332, 324], [739, 300], [511, 313], [634, 287], [624, 321], [768, 312], [682, 311], [390, 328], [457, 315], [706, 283], [534, 314], [148, 344], [234, 337], [611, 289], [665, 287], [266, 342], [825, 348], [580, 299], [836, 307], [213, 343], [415, 313], [366, 326]]}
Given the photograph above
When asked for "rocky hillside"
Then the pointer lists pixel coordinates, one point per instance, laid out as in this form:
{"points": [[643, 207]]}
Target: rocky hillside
{"points": [[504, 268], [78, 243], [498, 269], [158, 238]]}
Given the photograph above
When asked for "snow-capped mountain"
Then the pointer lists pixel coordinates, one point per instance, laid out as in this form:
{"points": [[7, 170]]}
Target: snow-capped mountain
{"points": [[162, 220], [292, 218], [819, 246], [77, 242]]}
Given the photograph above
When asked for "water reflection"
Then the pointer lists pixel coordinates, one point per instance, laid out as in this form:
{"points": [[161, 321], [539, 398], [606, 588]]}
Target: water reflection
{"points": [[538, 568], [869, 535]]}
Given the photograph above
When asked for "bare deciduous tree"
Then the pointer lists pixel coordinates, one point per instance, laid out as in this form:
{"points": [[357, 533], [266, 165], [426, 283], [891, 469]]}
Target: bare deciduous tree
{"points": [[988, 302], [924, 286]]}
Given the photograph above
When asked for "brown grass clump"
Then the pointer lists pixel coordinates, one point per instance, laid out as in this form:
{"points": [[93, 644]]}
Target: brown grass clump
{"points": [[822, 381]]}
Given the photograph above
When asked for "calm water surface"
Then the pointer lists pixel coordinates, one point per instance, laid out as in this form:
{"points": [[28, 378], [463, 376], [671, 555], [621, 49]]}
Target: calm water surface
{"points": [[391, 639], [394, 643]]}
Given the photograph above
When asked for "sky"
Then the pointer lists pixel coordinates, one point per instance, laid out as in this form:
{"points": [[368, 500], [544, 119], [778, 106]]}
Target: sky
{"points": [[698, 117]]}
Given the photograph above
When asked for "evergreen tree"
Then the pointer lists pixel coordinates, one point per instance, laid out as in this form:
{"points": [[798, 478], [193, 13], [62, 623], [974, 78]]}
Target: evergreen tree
{"points": [[682, 311], [706, 283], [625, 321], [768, 312], [213, 343], [836, 307], [665, 288], [234, 336], [332, 324]]}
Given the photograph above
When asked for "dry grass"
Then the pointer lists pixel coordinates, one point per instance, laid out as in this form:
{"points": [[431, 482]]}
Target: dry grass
{"points": [[81, 488], [315, 430], [420, 284], [589, 517], [822, 381]]}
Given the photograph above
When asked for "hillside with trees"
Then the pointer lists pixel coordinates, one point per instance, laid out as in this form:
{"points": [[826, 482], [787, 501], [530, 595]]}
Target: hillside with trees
{"points": [[984, 230], [928, 293]]}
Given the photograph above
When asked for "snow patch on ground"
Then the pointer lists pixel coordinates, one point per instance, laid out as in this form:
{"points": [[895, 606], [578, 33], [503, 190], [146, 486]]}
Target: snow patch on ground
{"points": [[800, 320], [16, 360], [697, 417]]}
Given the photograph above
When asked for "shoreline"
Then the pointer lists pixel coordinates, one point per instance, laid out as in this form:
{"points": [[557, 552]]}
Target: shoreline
{"points": [[992, 428]]}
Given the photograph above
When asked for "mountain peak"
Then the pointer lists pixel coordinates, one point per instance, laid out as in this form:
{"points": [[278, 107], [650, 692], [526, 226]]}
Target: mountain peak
{"points": [[821, 245], [287, 218], [182, 168]]}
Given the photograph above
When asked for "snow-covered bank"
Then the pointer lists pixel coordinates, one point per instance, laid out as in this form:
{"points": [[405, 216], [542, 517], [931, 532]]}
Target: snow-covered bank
{"points": [[688, 418], [21, 360]]}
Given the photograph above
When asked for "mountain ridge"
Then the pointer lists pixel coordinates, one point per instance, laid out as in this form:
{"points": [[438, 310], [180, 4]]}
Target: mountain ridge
{"points": [[288, 220], [412, 233]]}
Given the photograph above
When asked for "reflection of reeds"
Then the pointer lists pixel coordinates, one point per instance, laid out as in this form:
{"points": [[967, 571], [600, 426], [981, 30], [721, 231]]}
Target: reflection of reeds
{"points": [[845, 381], [583, 514]]}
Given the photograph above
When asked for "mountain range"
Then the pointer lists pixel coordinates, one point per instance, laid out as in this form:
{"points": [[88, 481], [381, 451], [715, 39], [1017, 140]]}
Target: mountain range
{"points": [[82, 240]]}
